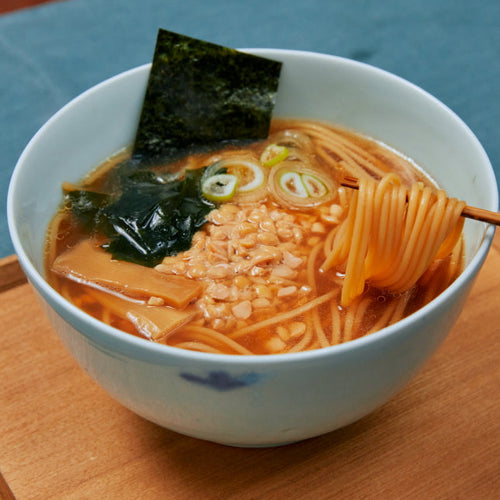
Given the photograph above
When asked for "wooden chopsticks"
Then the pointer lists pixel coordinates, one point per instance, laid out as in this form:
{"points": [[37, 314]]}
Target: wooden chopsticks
{"points": [[475, 213]]}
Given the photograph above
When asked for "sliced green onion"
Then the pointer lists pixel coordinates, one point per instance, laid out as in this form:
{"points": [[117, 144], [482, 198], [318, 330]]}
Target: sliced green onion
{"points": [[258, 177], [314, 185], [291, 182], [273, 154], [250, 175], [296, 185], [219, 187]]}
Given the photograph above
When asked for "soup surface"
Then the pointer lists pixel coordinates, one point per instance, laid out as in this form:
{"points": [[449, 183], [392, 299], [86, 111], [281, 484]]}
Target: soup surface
{"points": [[253, 279]]}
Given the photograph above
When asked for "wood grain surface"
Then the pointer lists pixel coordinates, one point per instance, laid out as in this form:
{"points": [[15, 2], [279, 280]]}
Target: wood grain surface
{"points": [[61, 436]]}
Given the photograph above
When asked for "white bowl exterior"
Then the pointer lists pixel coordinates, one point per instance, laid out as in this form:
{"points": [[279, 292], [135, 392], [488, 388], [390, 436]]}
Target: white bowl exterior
{"points": [[261, 400]]}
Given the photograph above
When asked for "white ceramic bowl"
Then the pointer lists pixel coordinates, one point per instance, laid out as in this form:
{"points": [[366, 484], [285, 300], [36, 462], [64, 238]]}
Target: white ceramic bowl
{"points": [[255, 400]]}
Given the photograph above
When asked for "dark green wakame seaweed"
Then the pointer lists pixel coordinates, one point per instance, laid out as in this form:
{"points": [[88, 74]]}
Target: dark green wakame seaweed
{"points": [[200, 95], [149, 219]]}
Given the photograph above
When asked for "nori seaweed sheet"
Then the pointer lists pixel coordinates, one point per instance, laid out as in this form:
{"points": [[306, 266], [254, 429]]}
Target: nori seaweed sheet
{"points": [[201, 95]]}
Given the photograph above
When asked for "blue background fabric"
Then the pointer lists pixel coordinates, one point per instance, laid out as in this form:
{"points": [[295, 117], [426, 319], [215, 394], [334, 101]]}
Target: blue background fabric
{"points": [[51, 53]]}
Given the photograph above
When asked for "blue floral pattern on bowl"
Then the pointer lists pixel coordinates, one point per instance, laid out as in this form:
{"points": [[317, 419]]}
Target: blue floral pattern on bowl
{"points": [[221, 380]]}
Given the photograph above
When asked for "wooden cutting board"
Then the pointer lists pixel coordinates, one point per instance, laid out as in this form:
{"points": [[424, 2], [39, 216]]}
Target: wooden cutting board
{"points": [[61, 436]]}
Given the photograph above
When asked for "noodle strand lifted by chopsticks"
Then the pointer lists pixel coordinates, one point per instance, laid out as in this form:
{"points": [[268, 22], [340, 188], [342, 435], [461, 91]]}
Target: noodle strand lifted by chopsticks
{"points": [[391, 241]]}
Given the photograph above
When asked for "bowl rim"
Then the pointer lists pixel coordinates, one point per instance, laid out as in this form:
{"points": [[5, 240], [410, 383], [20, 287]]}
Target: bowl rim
{"points": [[130, 343]]}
